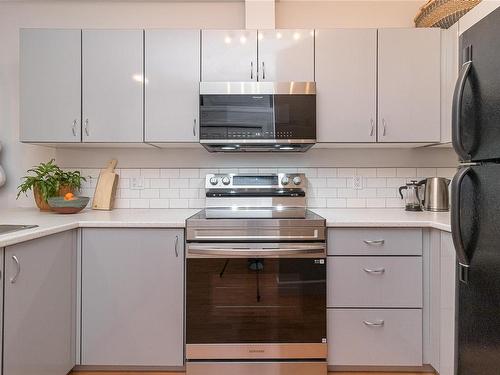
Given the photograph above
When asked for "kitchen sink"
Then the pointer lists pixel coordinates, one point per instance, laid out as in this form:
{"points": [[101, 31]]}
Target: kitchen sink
{"points": [[6, 228]]}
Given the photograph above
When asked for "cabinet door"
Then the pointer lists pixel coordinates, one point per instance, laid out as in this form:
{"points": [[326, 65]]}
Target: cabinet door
{"points": [[346, 83], [229, 55], [40, 306], [112, 85], [172, 92], [286, 55], [447, 306], [409, 85], [132, 297], [50, 85]]}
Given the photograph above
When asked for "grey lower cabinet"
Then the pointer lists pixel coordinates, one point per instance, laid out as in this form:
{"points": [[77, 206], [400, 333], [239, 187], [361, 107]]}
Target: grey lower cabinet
{"points": [[132, 297], [39, 306], [375, 297], [442, 275]]}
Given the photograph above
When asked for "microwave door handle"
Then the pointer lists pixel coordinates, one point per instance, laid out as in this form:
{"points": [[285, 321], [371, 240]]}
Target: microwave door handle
{"points": [[456, 232], [457, 112]]}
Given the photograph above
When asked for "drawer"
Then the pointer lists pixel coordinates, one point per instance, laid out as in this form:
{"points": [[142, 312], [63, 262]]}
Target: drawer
{"points": [[374, 337], [375, 241], [374, 281]]}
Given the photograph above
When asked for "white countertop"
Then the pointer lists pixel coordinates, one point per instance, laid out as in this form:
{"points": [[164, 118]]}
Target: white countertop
{"points": [[384, 217], [51, 223]]}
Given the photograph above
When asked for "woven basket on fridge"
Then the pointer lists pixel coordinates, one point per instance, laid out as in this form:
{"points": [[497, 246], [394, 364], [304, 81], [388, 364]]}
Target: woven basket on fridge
{"points": [[443, 13]]}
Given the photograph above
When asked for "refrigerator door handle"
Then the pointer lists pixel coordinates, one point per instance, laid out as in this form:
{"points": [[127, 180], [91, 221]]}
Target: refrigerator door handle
{"points": [[458, 94], [455, 219]]}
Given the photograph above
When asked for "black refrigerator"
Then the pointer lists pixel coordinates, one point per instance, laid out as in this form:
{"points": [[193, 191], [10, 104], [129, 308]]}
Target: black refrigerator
{"points": [[475, 210]]}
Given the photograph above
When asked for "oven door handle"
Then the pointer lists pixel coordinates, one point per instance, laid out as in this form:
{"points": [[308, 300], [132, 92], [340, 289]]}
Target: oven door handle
{"points": [[219, 252], [259, 237]]}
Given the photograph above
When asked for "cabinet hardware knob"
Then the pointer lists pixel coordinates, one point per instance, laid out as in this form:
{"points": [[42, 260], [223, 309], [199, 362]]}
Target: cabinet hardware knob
{"points": [[73, 128], [194, 127], [263, 70], [372, 128], [87, 127]]}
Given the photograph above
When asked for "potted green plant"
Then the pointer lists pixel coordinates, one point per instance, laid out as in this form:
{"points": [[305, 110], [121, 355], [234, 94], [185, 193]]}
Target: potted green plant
{"points": [[48, 180]]}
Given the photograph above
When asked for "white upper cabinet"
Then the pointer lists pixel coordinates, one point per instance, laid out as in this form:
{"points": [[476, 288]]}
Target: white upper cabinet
{"points": [[346, 84], [229, 55], [409, 85], [286, 55], [50, 91], [172, 59], [112, 85]]}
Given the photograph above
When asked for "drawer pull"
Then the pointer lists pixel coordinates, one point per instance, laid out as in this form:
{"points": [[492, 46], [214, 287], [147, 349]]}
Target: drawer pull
{"points": [[377, 271], [374, 242], [380, 323]]}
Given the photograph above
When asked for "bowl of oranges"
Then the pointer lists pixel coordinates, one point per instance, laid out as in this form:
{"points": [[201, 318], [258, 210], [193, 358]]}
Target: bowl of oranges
{"points": [[69, 204]]}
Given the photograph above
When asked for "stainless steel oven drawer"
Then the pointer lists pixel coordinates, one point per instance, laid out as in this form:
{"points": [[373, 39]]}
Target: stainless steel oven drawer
{"points": [[261, 368]]}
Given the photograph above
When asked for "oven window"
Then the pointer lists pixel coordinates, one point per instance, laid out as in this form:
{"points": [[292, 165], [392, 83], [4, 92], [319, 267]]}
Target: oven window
{"points": [[236, 117], [295, 116], [256, 300]]}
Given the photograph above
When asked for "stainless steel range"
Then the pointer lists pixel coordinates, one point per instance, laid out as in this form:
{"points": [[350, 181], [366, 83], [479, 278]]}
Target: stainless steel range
{"points": [[256, 279]]}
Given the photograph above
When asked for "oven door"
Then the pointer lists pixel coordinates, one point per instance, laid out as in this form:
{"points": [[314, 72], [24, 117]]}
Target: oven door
{"points": [[256, 301]]}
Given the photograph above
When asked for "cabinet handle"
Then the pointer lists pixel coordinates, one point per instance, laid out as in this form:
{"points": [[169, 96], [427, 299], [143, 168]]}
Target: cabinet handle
{"points": [[263, 70], [384, 128], [73, 128], [175, 246], [380, 323], [377, 271], [18, 269], [372, 129], [374, 242], [251, 70], [87, 127], [194, 127]]}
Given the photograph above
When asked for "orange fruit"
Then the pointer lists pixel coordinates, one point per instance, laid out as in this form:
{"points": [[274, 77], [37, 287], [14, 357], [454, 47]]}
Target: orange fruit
{"points": [[69, 197]]}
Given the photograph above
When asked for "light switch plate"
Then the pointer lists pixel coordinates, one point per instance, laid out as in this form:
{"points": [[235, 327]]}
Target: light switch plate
{"points": [[357, 182], [137, 183]]}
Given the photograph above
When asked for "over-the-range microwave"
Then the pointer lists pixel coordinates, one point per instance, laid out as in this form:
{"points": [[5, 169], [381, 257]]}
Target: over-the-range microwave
{"points": [[257, 116]]}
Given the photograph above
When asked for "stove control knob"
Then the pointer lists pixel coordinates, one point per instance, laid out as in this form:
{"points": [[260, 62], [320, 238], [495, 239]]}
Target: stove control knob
{"points": [[225, 180], [214, 180], [297, 180], [285, 180]]}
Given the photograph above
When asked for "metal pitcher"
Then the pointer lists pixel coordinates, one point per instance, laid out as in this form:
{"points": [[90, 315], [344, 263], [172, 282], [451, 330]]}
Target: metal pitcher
{"points": [[436, 194]]}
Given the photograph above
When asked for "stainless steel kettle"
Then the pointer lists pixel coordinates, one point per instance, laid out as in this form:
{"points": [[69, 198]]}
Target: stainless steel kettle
{"points": [[436, 194]]}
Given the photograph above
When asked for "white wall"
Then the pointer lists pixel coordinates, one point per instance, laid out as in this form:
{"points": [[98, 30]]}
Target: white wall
{"points": [[16, 157]]}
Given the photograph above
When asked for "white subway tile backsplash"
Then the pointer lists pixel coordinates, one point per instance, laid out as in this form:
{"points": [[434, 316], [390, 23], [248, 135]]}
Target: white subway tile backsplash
{"points": [[179, 203], [336, 203], [366, 172], [180, 183], [406, 172], [139, 203], [188, 193], [150, 193], [169, 173], [346, 172], [326, 193], [327, 187], [337, 182], [160, 183], [150, 173], [189, 173], [376, 182], [386, 172], [327, 172]]}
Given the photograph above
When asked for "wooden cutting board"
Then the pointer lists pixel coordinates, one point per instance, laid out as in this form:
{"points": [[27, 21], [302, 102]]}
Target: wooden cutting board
{"points": [[105, 190]]}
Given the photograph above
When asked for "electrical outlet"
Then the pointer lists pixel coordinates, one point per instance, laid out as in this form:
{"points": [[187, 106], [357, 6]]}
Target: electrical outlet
{"points": [[137, 183], [357, 182]]}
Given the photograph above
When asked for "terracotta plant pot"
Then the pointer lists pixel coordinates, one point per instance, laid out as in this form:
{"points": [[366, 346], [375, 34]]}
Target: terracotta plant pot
{"points": [[42, 204]]}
